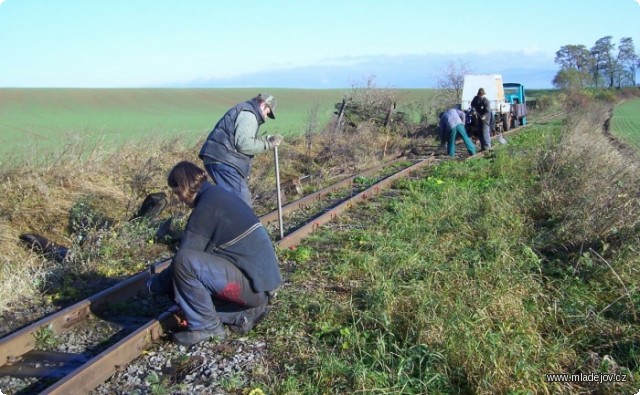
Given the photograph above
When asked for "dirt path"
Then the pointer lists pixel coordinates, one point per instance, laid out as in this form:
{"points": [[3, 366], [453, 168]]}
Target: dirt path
{"points": [[627, 150]]}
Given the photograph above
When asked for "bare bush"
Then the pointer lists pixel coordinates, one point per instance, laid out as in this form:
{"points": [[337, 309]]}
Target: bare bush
{"points": [[312, 126], [450, 82], [369, 104], [372, 100]]}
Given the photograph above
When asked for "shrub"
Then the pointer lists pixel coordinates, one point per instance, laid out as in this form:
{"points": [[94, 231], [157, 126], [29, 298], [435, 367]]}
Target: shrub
{"points": [[576, 100], [606, 95], [546, 102]]}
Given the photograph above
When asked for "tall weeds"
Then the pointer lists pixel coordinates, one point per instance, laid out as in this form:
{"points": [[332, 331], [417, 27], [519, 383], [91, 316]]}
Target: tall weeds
{"points": [[446, 287], [41, 198], [590, 189]]}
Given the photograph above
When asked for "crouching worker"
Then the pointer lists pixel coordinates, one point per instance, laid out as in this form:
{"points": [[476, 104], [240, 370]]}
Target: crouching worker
{"points": [[225, 269], [452, 124]]}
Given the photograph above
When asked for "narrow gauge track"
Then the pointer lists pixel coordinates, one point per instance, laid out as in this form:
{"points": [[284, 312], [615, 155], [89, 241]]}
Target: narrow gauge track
{"points": [[78, 374], [73, 373]]}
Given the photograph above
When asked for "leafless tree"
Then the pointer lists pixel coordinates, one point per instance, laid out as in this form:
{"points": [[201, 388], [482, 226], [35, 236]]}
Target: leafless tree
{"points": [[312, 126], [450, 82]]}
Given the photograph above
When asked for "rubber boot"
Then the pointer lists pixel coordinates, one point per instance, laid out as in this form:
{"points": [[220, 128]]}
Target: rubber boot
{"points": [[248, 319], [189, 338]]}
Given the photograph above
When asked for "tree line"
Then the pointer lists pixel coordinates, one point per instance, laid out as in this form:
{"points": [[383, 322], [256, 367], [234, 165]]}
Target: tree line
{"points": [[602, 65]]}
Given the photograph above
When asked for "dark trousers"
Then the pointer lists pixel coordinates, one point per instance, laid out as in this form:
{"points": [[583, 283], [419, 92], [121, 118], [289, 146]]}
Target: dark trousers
{"points": [[229, 178], [484, 131], [211, 290]]}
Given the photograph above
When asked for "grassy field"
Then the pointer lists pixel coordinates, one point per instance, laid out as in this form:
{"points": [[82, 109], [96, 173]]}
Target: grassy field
{"points": [[626, 122], [36, 121]]}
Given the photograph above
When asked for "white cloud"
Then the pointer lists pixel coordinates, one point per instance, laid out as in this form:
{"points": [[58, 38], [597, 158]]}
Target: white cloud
{"points": [[1, 1]]}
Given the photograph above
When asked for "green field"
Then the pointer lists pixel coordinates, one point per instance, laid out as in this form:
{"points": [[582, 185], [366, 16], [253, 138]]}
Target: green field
{"points": [[33, 121], [625, 122]]}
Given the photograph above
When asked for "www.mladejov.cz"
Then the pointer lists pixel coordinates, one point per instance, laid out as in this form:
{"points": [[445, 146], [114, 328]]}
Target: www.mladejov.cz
{"points": [[585, 377]]}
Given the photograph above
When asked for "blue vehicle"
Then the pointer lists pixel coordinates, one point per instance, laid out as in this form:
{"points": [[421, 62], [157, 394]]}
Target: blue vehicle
{"points": [[514, 94]]}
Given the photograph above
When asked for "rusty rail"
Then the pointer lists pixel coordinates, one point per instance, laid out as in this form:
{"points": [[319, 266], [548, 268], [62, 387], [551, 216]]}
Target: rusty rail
{"points": [[97, 370], [305, 201], [293, 238], [23, 341]]}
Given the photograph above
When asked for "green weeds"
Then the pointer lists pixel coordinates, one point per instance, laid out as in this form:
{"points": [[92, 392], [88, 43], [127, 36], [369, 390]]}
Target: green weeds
{"points": [[445, 289], [45, 338]]}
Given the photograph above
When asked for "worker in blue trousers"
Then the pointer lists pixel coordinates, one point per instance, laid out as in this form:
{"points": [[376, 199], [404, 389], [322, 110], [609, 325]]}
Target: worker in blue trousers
{"points": [[226, 270]]}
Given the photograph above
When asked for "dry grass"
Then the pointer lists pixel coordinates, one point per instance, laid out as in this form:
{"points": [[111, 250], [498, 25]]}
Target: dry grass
{"points": [[327, 158], [592, 188], [43, 199], [39, 199]]}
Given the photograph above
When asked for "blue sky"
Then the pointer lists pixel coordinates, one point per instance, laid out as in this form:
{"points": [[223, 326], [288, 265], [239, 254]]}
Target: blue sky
{"points": [[294, 43]]}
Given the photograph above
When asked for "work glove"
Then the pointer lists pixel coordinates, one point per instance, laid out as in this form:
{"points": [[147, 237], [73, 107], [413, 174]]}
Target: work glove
{"points": [[274, 140]]}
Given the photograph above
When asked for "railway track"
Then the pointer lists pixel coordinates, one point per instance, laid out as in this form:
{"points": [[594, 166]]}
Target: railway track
{"points": [[22, 353]]}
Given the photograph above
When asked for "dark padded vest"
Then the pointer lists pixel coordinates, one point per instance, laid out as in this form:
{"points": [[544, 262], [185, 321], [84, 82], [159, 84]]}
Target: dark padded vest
{"points": [[220, 144], [481, 104]]}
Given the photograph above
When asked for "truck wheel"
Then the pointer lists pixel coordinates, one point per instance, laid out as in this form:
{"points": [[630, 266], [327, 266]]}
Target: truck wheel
{"points": [[506, 122], [496, 129]]}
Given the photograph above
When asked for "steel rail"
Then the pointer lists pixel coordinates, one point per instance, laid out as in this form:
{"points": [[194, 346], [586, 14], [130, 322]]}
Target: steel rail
{"points": [[292, 239], [97, 370], [305, 201], [24, 340]]}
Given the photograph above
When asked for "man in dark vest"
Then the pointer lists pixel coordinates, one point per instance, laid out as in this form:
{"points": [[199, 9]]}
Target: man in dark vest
{"points": [[482, 106], [230, 147]]}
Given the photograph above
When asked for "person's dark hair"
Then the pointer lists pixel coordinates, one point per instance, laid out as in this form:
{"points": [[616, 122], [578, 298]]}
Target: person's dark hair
{"points": [[188, 177]]}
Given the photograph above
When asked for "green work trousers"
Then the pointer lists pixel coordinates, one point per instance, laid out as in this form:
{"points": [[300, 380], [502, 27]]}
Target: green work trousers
{"points": [[453, 134]]}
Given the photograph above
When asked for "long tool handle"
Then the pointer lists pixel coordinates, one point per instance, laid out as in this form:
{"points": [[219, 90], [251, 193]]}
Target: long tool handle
{"points": [[275, 154]]}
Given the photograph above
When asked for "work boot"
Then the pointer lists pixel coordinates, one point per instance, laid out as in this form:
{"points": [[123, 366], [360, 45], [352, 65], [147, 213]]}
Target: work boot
{"points": [[189, 338], [248, 319]]}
